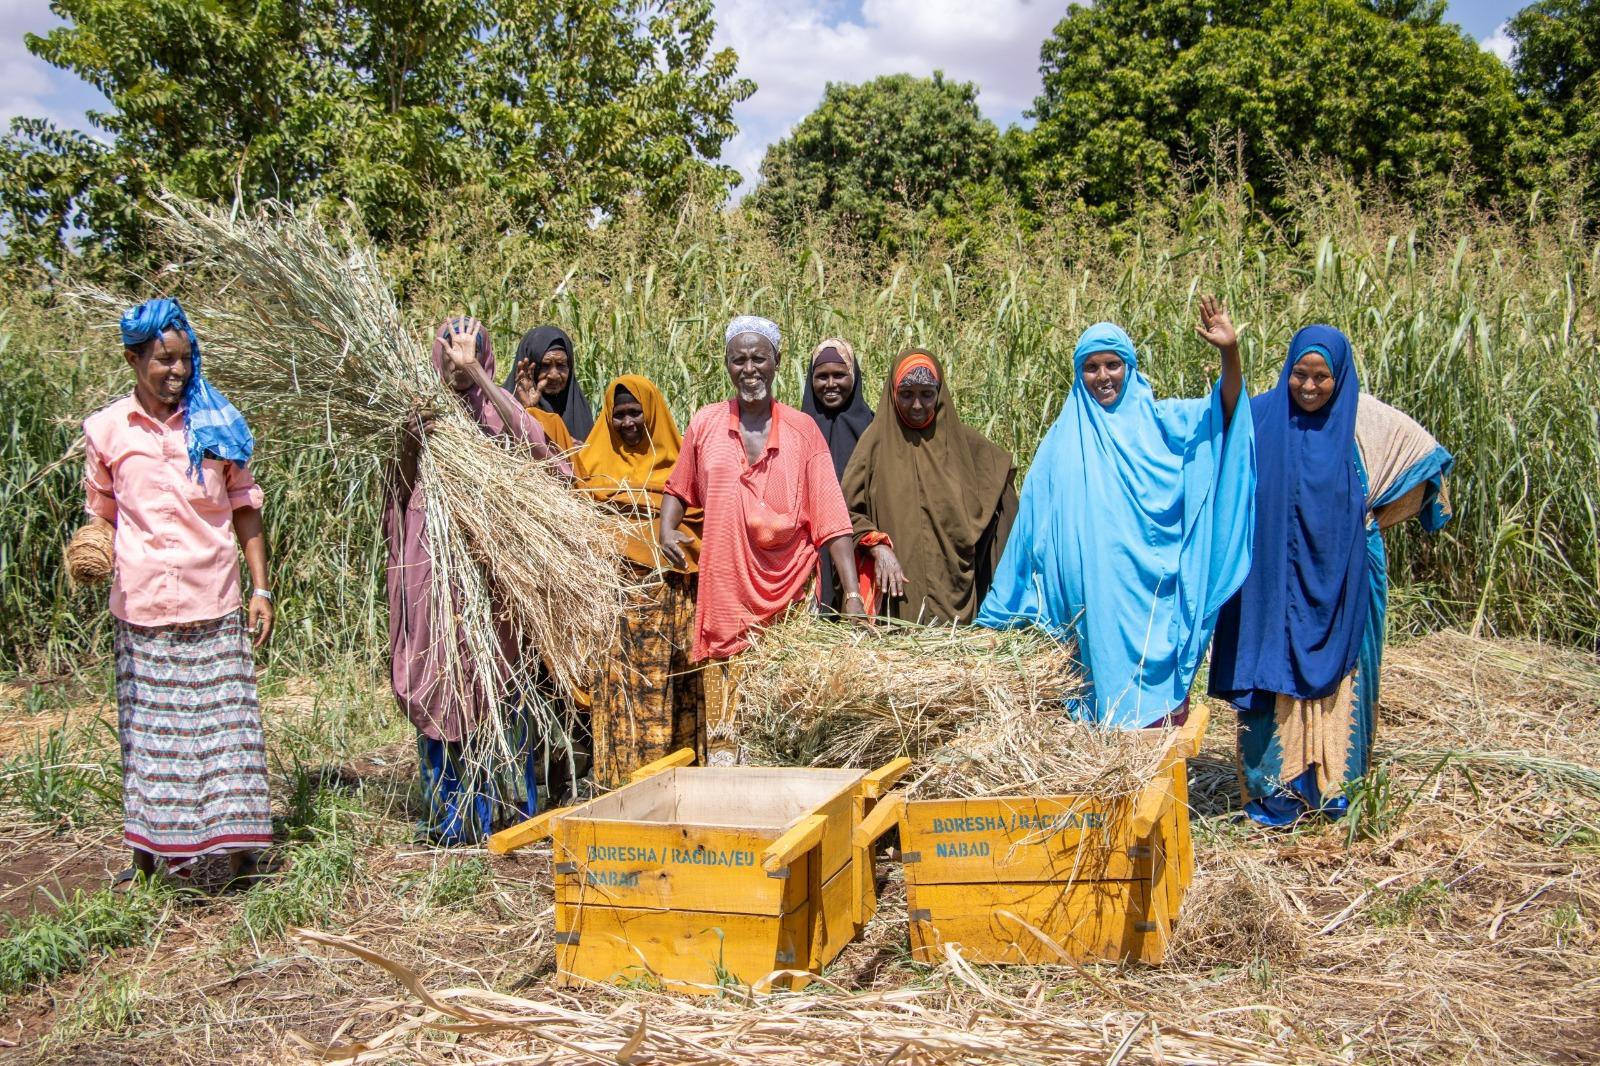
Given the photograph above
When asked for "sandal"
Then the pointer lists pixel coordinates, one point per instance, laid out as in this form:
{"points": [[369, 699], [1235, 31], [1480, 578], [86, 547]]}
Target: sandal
{"points": [[123, 881]]}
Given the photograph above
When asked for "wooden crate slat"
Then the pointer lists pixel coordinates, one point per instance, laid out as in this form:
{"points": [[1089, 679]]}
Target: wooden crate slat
{"points": [[1035, 838], [659, 867], [683, 951], [1091, 921]]}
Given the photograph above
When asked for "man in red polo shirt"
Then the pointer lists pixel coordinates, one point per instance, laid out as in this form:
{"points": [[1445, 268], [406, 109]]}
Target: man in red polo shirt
{"points": [[763, 474]]}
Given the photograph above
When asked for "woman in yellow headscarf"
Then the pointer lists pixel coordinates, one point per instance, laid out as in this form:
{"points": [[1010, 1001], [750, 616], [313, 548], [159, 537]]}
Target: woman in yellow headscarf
{"points": [[647, 696]]}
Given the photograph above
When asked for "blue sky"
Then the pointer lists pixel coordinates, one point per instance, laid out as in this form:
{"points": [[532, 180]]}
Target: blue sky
{"points": [[792, 50]]}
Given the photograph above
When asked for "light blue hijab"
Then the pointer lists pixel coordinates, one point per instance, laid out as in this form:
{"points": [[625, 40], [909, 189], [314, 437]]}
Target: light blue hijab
{"points": [[1134, 528]]}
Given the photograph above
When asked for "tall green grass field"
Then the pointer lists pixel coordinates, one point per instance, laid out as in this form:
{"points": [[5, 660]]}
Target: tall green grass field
{"points": [[1486, 328]]}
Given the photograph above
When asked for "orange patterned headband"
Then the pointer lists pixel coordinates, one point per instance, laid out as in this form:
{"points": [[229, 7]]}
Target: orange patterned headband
{"points": [[913, 362]]}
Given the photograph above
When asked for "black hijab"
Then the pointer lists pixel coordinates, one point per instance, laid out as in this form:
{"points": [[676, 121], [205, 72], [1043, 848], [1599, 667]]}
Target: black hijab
{"points": [[841, 428], [570, 403]]}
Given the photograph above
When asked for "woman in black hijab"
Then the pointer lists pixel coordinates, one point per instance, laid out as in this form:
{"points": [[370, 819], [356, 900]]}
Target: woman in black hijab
{"points": [[833, 399], [544, 376]]}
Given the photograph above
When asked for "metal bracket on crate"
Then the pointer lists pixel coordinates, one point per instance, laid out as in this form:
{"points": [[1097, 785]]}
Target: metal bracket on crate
{"points": [[570, 937], [1140, 851], [1144, 927], [566, 867], [785, 957], [781, 873], [910, 857], [921, 914]]}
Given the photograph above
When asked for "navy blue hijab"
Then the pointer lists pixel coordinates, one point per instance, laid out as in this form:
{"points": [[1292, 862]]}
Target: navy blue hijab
{"points": [[1295, 626]]}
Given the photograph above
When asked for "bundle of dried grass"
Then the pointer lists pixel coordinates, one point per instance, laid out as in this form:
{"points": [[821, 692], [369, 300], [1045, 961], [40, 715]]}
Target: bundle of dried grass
{"points": [[981, 710], [300, 327], [88, 555]]}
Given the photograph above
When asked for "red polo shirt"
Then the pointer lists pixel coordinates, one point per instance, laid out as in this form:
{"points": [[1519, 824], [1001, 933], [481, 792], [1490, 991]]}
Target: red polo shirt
{"points": [[764, 522]]}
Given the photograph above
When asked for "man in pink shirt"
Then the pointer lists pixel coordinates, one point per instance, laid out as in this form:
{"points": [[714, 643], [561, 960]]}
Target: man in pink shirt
{"points": [[165, 466], [763, 474]]}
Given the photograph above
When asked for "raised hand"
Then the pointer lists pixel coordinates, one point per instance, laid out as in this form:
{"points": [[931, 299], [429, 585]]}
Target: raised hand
{"points": [[1215, 326], [461, 343]]}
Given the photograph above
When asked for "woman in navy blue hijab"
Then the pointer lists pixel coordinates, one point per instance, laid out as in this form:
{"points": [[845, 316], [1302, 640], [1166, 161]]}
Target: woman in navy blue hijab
{"points": [[1298, 649]]}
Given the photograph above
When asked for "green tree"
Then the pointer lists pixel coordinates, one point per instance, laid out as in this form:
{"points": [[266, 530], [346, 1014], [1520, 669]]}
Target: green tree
{"points": [[1557, 65], [562, 106], [874, 158], [1134, 90]]}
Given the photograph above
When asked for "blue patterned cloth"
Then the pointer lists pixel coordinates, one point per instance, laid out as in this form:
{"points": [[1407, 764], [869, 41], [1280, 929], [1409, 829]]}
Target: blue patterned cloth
{"points": [[462, 804], [215, 427]]}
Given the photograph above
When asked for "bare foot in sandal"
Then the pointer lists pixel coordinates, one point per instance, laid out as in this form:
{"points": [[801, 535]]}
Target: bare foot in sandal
{"points": [[244, 870], [143, 868]]}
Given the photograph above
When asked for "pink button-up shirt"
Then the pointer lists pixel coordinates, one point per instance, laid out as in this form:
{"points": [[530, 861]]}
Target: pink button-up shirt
{"points": [[176, 558]]}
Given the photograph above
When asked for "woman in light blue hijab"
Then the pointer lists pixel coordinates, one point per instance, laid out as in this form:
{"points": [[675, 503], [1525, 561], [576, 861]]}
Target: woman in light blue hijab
{"points": [[1134, 527]]}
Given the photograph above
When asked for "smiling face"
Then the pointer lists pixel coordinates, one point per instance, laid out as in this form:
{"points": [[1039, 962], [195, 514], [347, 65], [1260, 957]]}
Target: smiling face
{"points": [[830, 383], [161, 369], [751, 361], [627, 418], [1103, 375], [1311, 383]]}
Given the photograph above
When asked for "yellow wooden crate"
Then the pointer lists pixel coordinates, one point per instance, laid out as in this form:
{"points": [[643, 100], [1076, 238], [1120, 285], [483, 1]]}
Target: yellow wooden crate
{"points": [[696, 877], [1028, 880]]}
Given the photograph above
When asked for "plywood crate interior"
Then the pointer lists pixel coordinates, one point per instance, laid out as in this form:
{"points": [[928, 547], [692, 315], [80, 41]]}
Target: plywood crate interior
{"points": [[695, 877]]}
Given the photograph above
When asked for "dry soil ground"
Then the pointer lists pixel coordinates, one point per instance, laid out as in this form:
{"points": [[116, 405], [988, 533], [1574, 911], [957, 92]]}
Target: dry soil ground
{"points": [[1457, 920]]}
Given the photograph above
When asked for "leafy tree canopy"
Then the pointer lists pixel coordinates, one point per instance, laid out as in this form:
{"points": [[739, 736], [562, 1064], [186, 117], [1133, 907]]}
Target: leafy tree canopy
{"points": [[1133, 89], [561, 106], [891, 151], [1557, 64]]}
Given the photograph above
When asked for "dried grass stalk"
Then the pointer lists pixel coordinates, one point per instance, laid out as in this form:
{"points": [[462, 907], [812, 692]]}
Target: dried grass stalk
{"points": [[300, 327], [982, 711], [88, 555], [824, 1025]]}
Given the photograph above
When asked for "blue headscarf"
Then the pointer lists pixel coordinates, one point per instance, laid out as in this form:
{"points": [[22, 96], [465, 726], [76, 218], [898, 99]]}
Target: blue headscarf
{"points": [[1133, 530], [1296, 625], [215, 427]]}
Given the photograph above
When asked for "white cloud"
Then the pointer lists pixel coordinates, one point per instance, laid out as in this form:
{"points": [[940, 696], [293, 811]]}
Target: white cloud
{"points": [[1500, 43], [792, 51], [30, 86]]}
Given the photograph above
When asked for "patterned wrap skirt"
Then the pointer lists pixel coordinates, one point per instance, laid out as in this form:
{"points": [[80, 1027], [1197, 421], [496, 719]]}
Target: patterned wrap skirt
{"points": [[647, 697], [194, 759]]}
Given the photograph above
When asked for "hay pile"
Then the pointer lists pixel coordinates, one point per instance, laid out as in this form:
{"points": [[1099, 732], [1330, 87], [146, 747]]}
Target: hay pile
{"points": [[981, 711], [88, 555], [299, 326]]}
